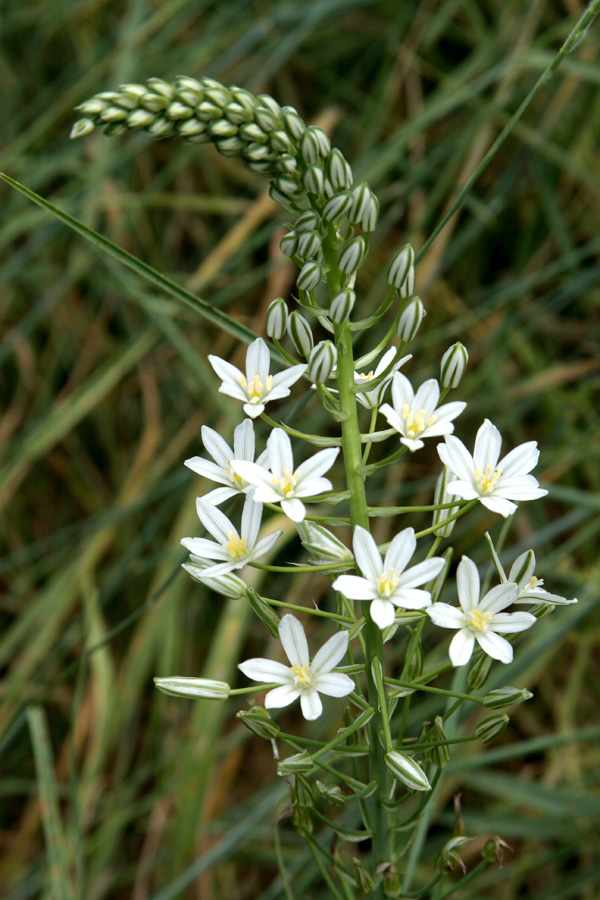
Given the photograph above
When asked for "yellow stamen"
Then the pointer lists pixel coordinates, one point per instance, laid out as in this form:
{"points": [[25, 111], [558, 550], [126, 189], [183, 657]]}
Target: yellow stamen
{"points": [[286, 484], [387, 583], [236, 546], [233, 477], [487, 481], [535, 582], [301, 674], [368, 377], [479, 620]]}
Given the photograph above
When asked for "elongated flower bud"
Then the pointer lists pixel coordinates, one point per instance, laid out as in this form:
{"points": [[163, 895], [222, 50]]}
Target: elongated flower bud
{"points": [[195, 688], [311, 274], [300, 333], [308, 221], [314, 180], [309, 245], [322, 361], [410, 320], [361, 196], [332, 793], [442, 496], [453, 365], [259, 722], [352, 255], [506, 696], [265, 613], [491, 727], [289, 243], [479, 672], [322, 544], [339, 172], [342, 305], [370, 216], [339, 205], [407, 771], [401, 273], [300, 763], [310, 148], [276, 319]]}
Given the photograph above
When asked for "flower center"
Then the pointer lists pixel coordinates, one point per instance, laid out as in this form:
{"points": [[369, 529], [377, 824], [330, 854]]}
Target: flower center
{"points": [[416, 423], [233, 477], [301, 674], [479, 620], [387, 583], [486, 481], [255, 388], [368, 377], [236, 546], [534, 583], [286, 483]]}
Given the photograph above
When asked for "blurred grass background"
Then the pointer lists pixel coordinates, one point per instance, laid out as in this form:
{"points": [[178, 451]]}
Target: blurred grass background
{"points": [[110, 790]]}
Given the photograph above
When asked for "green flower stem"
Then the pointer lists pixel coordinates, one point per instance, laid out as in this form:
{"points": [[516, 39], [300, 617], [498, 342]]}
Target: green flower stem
{"points": [[341, 737], [443, 522], [355, 483], [315, 849], [473, 874], [375, 467], [430, 744], [311, 612], [434, 673], [252, 690], [294, 570], [281, 863], [415, 686], [288, 356], [314, 439], [369, 445], [295, 743], [379, 678], [375, 511]]}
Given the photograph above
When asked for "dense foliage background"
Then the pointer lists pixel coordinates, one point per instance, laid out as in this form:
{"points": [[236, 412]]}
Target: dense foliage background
{"points": [[110, 790]]}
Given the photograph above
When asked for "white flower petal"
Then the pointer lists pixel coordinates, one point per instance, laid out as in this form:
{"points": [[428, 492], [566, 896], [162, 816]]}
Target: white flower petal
{"points": [[412, 443], [427, 396], [499, 505], [311, 705], [468, 584], [335, 684], [487, 446], [331, 653], [293, 638], [281, 696], [207, 469], [422, 572], [461, 647], [288, 377], [523, 568], [355, 588], [204, 548], [215, 521], [252, 473], [521, 460], [411, 598], [251, 516], [266, 670], [243, 442], [280, 452], [294, 509], [446, 616], [214, 444], [228, 374], [253, 410], [457, 458], [257, 360], [402, 392], [462, 489], [382, 612], [509, 623], [317, 464], [368, 557], [400, 552], [495, 646], [499, 598]]}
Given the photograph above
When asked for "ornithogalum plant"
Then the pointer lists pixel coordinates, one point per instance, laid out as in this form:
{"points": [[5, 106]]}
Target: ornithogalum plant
{"points": [[373, 782]]}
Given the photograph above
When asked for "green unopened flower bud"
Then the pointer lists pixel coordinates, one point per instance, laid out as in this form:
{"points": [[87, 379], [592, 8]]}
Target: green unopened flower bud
{"points": [[441, 496], [286, 185], [265, 613], [439, 582], [222, 128], [163, 88], [407, 771], [237, 113], [289, 244], [285, 163], [228, 585], [208, 111], [506, 696], [491, 727], [361, 196], [332, 793], [294, 125], [81, 128], [308, 221], [154, 102], [352, 255], [258, 721], [276, 319], [113, 114], [479, 672], [255, 152], [453, 365], [321, 363], [302, 791], [160, 127], [301, 818], [265, 119], [322, 544], [401, 273], [251, 132], [364, 879], [410, 320], [231, 146], [440, 755], [391, 881], [309, 245], [92, 107], [300, 763], [189, 89], [415, 665], [195, 688], [281, 142], [177, 110], [370, 216], [338, 171], [311, 274], [300, 333], [139, 118], [342, 305], [313, 180], [339, 205]]}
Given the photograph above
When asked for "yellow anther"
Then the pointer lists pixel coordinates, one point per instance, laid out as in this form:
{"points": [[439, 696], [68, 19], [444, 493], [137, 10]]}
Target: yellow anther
{"points": [[431, 420], [286, 484], [301, 674], [535, 582], [387, 583], [236, 546], [255, 390], [488, 481], [479, 620], [233, 477], [368, 377]]}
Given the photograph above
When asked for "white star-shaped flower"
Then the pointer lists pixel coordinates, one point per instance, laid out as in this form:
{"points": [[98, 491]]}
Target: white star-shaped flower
{"points": [[257, 386], [302, 678], [372, 399], [385, 582], [220, 470], [417, 416], [482, 477], [284, 484], [530, 587], [231, 550], [480, 620]]}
